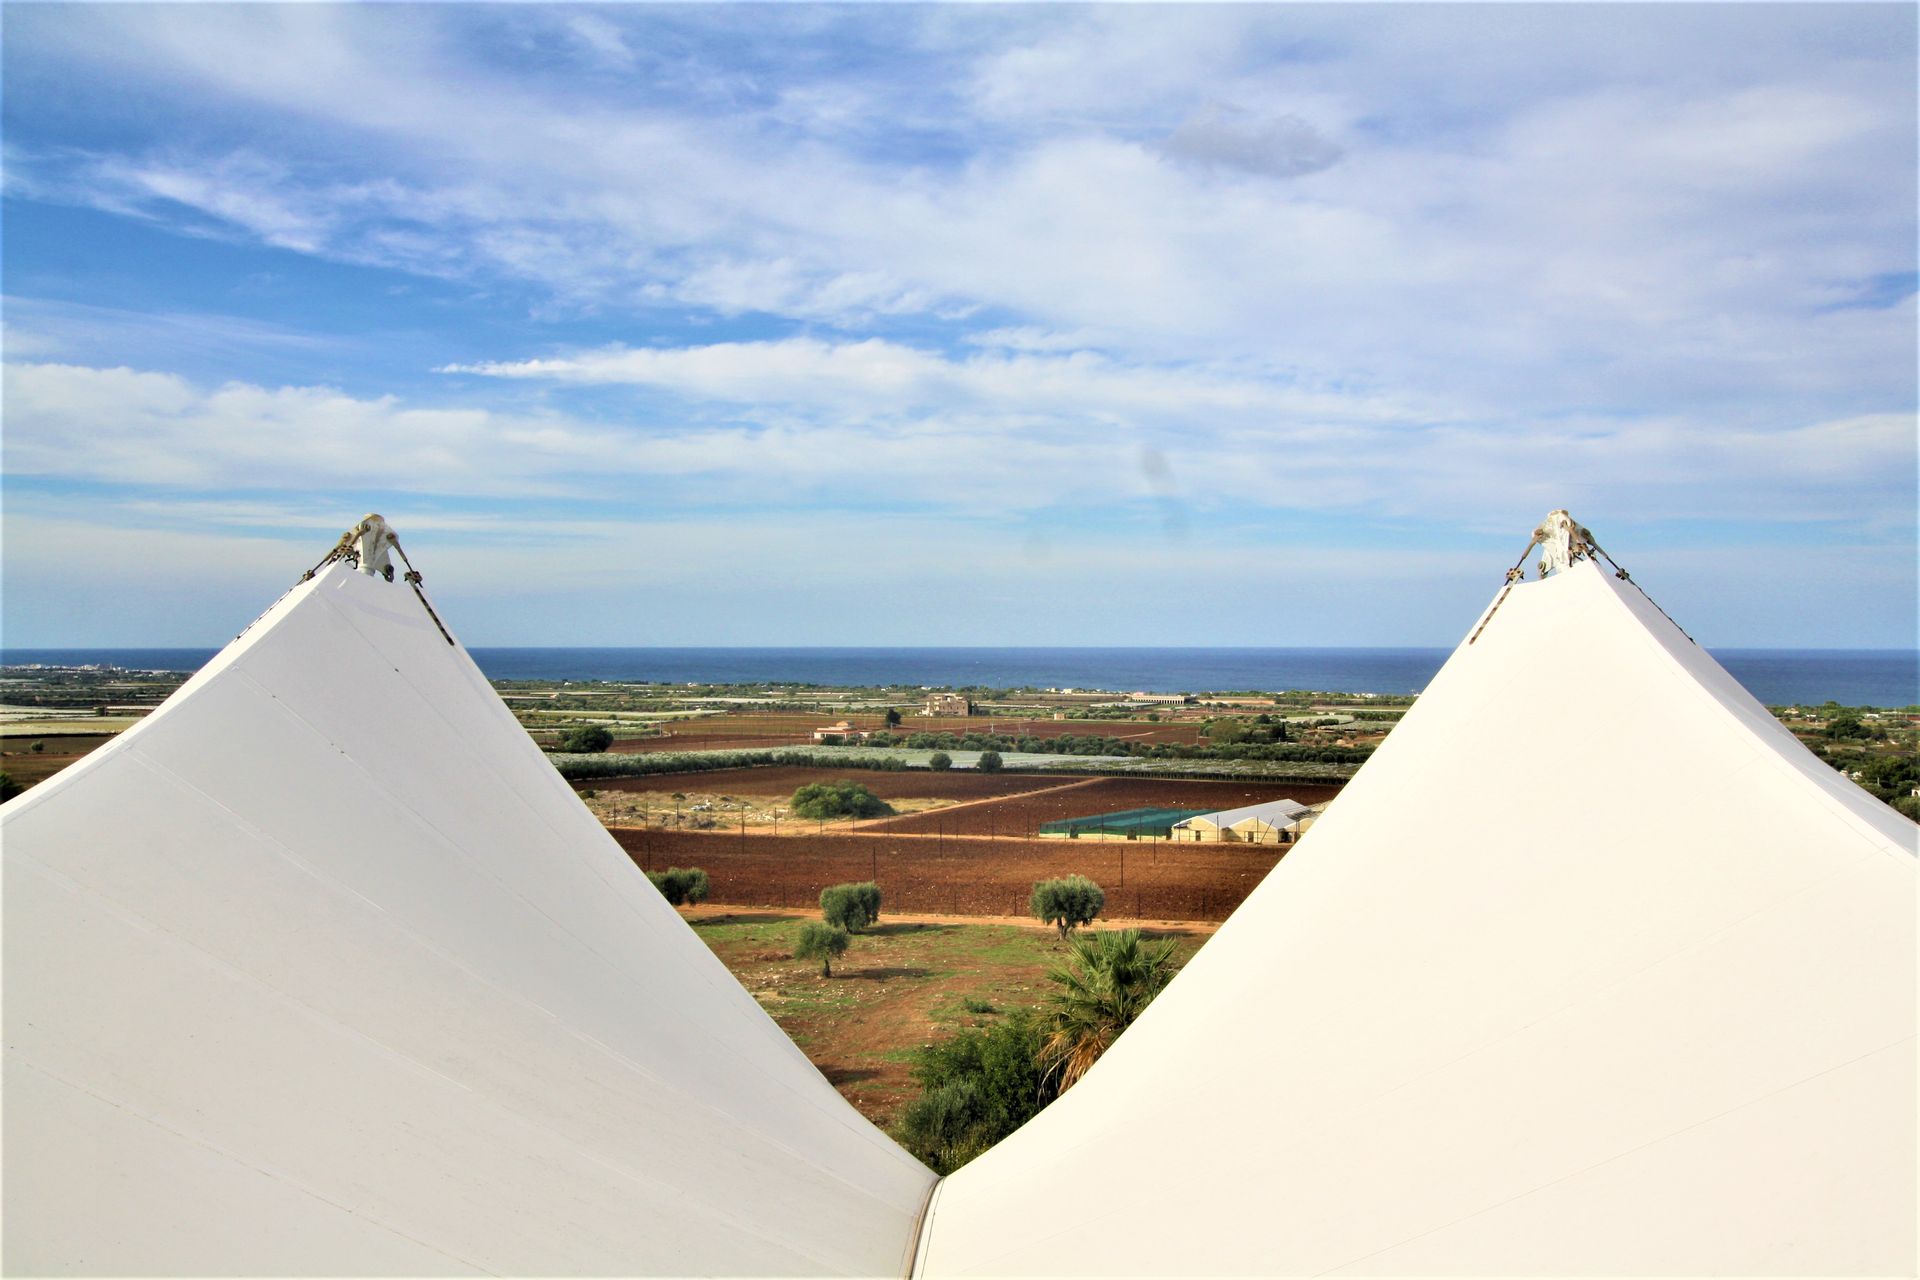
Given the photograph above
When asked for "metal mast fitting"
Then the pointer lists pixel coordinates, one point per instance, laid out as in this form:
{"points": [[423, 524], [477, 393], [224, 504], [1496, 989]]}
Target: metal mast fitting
{"points": [[366, 546], [1564, 542]]}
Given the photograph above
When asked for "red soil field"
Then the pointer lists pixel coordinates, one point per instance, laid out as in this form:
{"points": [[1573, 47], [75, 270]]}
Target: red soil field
{"points": [[27, 766], [759, 731], [783, 780], [964, 876], [1022, 815]]}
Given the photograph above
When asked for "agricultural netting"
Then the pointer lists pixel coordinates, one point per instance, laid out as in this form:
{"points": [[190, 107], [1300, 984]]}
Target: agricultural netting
{"points": [[1132, 823]]}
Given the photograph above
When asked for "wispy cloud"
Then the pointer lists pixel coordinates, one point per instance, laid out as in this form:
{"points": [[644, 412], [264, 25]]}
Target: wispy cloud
{"points": [[873, 377], [1395, 267], [1024, 447]]}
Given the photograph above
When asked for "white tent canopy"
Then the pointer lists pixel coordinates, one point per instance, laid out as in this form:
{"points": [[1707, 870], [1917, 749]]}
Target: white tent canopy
{"points": [[1536, 1043], [322, 969]]}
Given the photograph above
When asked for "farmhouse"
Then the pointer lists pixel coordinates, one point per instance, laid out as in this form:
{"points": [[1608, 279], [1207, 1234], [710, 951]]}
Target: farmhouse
{"points": [[1275, 822], [841, 732], [947, 704]]}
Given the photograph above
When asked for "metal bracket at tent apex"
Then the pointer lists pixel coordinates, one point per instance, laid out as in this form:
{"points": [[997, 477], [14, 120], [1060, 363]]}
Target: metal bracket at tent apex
{"points": [[1563, 541], [365, 546]]}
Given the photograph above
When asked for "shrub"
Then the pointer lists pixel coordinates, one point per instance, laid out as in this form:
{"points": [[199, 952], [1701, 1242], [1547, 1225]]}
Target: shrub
{"points": [[1227, 732], [851, 906], [1110, 978], [837, 800], [976, 1088], [694, 882], [1908, 806], [681, 885], [939, 761], [587, 740], [989, 762], [1067, 903], [8, 787], [820, 942], [36, 746], [1848, 725]]}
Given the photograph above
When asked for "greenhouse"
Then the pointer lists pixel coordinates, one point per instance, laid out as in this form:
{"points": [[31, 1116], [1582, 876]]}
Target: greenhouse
{"points": [[1125, 824]]}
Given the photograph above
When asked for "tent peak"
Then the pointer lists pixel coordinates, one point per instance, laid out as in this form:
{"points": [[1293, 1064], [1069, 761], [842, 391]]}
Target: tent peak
{"points": [[367, 547], [1563, 541]]}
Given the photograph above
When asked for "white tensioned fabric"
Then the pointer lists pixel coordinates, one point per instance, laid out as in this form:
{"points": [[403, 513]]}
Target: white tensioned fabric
{"points": [[1592, 970], [322, 969]]}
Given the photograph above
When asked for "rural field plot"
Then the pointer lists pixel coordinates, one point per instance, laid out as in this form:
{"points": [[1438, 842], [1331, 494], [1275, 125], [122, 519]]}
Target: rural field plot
{"points": [[1023, 814], [781, 781], [57, 750], [900, 985], [764, 729], [960, 875]]}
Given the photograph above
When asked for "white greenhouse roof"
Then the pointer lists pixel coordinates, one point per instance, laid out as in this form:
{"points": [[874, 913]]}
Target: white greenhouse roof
{"points": [[1277, 813], [323, 969]]}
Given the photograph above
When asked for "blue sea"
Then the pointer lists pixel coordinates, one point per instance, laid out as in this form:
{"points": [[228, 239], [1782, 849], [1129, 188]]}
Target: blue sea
{"points": [[1852, 677]]}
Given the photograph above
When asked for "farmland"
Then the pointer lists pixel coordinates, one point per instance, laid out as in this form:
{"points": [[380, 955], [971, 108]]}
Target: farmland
{"points": [[974, 853], [781, 781], [961, 875], [27, 766], [1022, 814], [904, 983], [758, 730]]}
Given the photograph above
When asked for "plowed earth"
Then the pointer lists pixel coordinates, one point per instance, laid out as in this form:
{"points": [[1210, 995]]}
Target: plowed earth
{"points": [[968, 875], [763, 731], [1023, 814], [782, 781]]}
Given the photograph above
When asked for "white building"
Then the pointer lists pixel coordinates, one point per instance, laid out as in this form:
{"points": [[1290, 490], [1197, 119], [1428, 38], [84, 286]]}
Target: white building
{"points": [[1274, 822], [842, 731]]}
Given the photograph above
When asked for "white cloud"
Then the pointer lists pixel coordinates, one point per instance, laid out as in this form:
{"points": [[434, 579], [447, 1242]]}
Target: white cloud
{"points": [[1533, 240], [1564, 257], [875, 377], [840, 428]]}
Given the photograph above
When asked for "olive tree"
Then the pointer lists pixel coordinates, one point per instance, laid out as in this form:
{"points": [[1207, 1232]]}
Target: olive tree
{"points": [[822, 942], [1067, 903], [851, 906]]}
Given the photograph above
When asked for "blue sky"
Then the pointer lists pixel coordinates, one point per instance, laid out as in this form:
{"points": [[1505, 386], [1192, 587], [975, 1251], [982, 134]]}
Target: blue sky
{"points": [[1256, 324]]}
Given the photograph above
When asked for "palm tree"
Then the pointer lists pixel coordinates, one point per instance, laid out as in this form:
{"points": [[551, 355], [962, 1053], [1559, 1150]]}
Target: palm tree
{"points": [[1110, 978]]}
